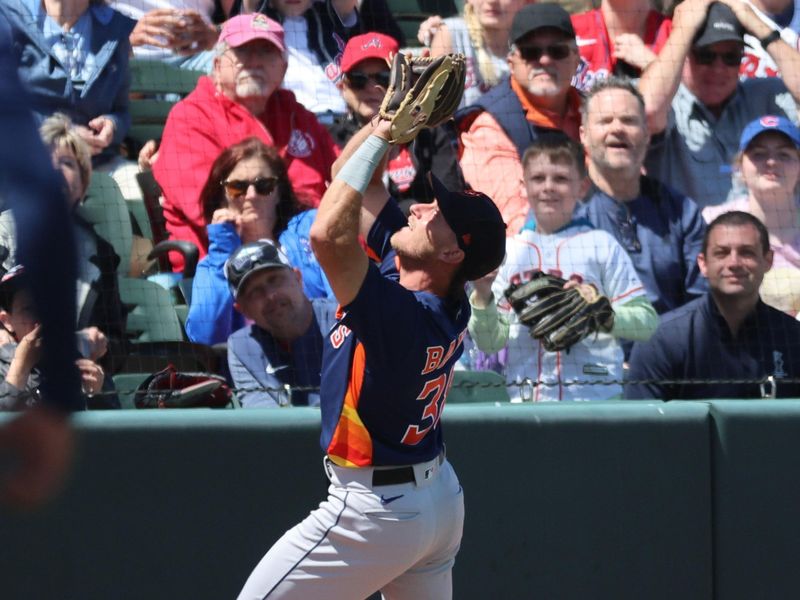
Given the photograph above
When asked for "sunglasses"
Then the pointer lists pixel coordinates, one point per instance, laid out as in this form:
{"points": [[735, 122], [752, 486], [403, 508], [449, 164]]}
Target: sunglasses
{"points": [[236, 188], [706, 57], [554, 51], [358, 80]]}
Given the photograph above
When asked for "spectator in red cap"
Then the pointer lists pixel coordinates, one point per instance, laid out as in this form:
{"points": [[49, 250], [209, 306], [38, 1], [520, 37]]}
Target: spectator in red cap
{"points": [[241, 98], [365, 66]]}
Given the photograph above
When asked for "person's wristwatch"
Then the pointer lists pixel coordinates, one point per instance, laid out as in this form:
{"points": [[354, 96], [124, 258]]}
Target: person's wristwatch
{"points": [[768, 39]]}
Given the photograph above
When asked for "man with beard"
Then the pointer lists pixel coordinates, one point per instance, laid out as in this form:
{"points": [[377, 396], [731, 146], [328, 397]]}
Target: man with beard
{"points": [[282, 348], [660, 228], [241, 99], [536, 98]]}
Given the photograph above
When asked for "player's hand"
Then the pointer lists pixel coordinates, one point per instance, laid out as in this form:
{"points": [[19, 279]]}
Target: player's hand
{"points": [[148, 155], [95, 341], [630, 48], [482, 290], [39, 445], [92, 376], [428, 29], [156, 28]]}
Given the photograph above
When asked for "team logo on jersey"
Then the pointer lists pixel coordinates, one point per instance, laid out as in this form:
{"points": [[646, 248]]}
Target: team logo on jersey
{"points": [[339, 335], [300, 145]]}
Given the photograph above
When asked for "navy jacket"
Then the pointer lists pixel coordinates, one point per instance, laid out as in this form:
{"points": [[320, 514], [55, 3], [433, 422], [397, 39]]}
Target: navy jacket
{"points": [[694, 342], [669, 229], [47, 79]]}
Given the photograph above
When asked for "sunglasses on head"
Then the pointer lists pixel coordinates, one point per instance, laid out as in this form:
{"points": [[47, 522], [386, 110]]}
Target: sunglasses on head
{"points": [[358, 79], [705, 57], [238, 187], [554, 51]]}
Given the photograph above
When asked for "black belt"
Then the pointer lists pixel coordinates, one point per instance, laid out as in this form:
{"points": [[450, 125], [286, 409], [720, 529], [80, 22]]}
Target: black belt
{"points": [[397, 475], [392, 476]]}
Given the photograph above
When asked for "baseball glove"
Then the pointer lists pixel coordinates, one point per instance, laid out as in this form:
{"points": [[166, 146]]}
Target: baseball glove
{"points": [[422, 92], [559, 318]]}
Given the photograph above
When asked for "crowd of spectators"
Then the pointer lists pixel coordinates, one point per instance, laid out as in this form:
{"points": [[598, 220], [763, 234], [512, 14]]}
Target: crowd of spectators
{"points": [[650, 158]]}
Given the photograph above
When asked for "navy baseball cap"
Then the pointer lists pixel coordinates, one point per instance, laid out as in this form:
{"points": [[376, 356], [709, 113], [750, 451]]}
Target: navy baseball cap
{"points": [[533, 17], [478, 225], [250, 258], [721, 25], [769, 123]]}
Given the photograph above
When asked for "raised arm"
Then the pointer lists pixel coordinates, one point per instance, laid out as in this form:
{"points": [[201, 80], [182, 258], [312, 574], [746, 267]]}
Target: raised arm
{"points": [[662, 77], [785, 57], [348, 209]]}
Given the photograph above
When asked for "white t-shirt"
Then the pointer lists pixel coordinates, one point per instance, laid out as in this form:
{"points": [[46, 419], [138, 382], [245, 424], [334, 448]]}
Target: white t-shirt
{"points": [[757, 62]]}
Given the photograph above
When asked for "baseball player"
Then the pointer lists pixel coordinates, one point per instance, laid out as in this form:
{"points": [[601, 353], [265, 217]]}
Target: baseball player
{"points": [[394, 513], [590, 259]]}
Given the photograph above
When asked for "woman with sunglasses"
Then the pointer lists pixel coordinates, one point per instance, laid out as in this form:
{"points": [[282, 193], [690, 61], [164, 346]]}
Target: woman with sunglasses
{"points": [[247, 197], [767, 168]]}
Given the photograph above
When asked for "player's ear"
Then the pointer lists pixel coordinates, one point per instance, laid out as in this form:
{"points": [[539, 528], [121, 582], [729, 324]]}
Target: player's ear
{"points": [[452, 255], [237, 306]]}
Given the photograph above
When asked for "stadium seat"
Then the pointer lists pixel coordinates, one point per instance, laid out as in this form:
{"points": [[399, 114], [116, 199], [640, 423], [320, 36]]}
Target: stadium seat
{"points": [[158, 309], [151, 311], [478, 386], [155, 87], [105, 209]]}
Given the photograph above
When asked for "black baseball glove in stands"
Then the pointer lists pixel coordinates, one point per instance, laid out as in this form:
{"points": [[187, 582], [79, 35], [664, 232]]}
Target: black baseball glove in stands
{"points": [[559, 318], [422, 92]]}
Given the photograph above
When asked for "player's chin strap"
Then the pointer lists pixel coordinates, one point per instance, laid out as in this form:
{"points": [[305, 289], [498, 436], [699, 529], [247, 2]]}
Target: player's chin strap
{"points": [[359, 168]]}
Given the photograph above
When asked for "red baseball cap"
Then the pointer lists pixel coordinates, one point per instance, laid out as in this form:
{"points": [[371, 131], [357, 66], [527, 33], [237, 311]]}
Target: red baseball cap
{"points": [[368, 45], [241, 29]]}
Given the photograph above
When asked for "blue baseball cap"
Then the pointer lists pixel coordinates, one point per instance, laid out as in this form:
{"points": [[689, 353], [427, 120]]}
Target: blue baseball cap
{"points": [[769, 123], [478, 225]]}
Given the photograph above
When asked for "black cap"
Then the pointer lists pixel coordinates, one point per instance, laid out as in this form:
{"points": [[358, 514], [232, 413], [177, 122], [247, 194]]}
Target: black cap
{"points": [[539, 16], [478, 225], [721, 25], [250, 258]]}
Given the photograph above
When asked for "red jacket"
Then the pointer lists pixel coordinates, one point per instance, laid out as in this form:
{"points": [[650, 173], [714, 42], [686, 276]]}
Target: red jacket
{"points": [[205, 123]]}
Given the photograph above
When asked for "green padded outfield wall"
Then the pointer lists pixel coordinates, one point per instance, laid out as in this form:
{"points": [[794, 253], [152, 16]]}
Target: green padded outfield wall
{"points": [[563, 501], [756, 454]]}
